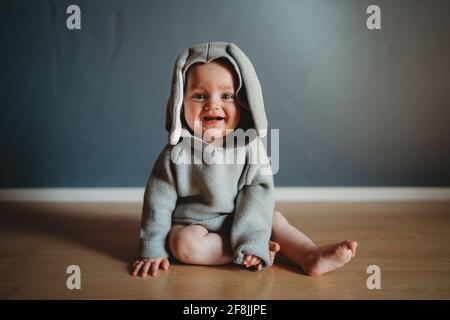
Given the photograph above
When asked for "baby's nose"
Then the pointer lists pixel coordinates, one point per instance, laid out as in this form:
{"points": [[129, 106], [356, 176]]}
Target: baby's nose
{"points": [[212, 105]]}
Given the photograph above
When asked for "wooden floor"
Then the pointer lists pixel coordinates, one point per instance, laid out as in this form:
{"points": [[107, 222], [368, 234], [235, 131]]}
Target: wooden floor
{"points": [[410, 242]]}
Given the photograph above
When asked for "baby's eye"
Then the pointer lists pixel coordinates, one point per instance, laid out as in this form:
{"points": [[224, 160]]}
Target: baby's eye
{"points": [[199, 96], [228, 96]]}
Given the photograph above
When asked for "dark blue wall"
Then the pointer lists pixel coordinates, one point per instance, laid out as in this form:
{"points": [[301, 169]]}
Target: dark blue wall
{"points": [[355, 107]]}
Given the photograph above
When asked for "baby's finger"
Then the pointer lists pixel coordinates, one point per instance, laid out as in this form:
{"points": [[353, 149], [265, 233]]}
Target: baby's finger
{"points": [[136, 262], [272, 256], [247, 260], [259, 266], [137, 268], [274, 246], [165, 264], [254, 261], [144, 269], [154, 268]]}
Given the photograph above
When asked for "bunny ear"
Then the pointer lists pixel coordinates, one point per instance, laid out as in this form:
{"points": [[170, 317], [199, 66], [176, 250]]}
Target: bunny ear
{"points": [[252, 88], [173, 115]]}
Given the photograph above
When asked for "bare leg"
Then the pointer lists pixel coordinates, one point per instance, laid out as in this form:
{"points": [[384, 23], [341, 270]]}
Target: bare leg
{"points": [[297, 247], [194, 244]]}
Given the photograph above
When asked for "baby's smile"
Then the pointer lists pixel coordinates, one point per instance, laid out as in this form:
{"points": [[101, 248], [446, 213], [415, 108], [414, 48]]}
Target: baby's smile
{"points": [[213, 119]]}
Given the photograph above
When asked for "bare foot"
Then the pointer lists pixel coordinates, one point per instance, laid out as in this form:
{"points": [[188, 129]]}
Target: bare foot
{"points": [[327, 258]]}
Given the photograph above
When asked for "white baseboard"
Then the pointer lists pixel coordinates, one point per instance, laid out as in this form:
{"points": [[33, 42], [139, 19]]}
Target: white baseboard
{"points": [[282, 194]]}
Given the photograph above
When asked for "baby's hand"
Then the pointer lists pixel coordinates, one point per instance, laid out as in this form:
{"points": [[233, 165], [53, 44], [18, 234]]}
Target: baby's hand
{"points": [[143, 266], [250, 260]]}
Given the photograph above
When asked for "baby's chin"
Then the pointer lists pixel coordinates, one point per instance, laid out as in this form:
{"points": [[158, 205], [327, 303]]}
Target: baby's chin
{"points": [[211, 134]]}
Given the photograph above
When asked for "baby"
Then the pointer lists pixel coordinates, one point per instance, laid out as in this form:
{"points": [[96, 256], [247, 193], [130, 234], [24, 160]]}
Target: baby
{"points": [[206, 211]]}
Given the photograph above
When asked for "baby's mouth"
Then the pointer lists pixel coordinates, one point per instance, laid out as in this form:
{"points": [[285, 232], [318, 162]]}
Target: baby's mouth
{"points": [[209, 121], [213, 118]]}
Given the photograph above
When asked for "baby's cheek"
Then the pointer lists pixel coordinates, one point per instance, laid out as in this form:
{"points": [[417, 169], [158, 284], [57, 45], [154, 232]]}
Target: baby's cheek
{"points": [[233, 123]]}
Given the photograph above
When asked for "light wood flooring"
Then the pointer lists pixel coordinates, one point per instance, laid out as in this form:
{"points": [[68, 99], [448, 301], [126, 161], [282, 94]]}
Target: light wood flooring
{"points": [[409, 241]]}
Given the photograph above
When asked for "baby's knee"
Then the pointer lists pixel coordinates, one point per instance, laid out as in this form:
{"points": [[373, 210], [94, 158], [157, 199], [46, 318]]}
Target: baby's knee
{"points": [[185, 243]]}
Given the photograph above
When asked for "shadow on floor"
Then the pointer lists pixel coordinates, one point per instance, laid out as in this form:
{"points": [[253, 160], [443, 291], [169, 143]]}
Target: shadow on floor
{"points": [[116, 235], [90, 225]]}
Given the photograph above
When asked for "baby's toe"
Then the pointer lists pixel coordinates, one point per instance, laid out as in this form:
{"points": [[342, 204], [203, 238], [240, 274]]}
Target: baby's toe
{"points": [[352, 245]]}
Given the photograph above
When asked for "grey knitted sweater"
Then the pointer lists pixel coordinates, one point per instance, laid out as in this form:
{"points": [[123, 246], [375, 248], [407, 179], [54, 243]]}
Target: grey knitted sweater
{"points": [[192, 181]]}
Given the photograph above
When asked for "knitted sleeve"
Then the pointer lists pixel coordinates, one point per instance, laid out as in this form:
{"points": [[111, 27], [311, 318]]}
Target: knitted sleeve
{"points": [[252, 223], [159, 203]]}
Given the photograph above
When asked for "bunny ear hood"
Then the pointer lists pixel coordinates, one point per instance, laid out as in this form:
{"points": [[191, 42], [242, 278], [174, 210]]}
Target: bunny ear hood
{"points": [[248, 92]]}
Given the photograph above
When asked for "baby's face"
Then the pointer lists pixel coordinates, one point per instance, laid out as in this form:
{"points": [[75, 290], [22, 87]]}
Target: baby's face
{"points": [[210, 104]]}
